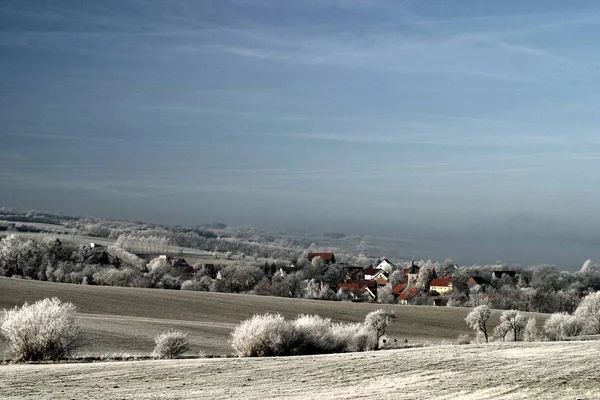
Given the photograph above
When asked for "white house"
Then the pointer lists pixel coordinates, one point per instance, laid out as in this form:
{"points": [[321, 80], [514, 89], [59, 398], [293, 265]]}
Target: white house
{"points": [[386, 265]]}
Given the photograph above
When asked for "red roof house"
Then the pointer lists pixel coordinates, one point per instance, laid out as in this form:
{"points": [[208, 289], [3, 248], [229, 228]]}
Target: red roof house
{"points": [[329, 258]]}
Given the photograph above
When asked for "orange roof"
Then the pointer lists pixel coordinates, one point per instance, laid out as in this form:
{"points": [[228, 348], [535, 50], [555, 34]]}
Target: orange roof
{"points": [[408, 293], [443, 282], [399, 288], [324, 256]]}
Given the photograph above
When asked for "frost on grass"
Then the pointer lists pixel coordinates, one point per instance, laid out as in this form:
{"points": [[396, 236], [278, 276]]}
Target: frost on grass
{"points": [[46, 330], [170, 344]]}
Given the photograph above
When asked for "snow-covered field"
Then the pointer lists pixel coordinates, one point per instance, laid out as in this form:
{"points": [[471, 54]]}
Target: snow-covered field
{"points": [[569, 370]]}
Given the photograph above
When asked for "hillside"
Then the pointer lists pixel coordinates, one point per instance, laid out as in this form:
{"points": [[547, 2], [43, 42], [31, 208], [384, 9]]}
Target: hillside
{"points": [[501, 370], [127, 319]]}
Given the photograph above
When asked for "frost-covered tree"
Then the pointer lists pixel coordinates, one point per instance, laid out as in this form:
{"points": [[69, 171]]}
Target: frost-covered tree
{"points": [[530, 332], [588, 268], [561, 326], [239, 278], [478, 318], [426, 275], [396, 277], [385, 295], [589, 313], [379, 320], [511, 321]]}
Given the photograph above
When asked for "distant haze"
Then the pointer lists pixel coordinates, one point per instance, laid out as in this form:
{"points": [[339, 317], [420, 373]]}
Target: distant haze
{"points": [[466, 127]]}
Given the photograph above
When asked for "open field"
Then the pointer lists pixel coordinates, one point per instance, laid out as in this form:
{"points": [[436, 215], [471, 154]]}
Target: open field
{"points": [[559, 370], [119, 319]]}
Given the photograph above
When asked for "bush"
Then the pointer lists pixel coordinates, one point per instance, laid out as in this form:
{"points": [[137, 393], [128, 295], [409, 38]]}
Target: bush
{"points": [[271, 335], [588, 313], [263, 336], [46, 330], [562, 326], [464, 338], [170, 344], [315, 335], [355, 337], [191, 285], [530, 332]]}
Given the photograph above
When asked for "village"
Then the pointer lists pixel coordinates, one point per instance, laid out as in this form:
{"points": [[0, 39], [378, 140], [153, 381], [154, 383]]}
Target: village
{"points": [[382, 282]]}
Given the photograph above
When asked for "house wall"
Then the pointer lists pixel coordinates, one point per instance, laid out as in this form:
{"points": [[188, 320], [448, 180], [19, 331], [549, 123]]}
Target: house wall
{"points": [[441, 289]]}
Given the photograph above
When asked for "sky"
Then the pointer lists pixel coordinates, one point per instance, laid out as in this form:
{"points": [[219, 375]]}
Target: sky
{"points": [[468, 125]]}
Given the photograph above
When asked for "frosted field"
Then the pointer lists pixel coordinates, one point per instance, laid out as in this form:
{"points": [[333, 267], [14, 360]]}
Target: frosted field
{"points": [[568, 370]]}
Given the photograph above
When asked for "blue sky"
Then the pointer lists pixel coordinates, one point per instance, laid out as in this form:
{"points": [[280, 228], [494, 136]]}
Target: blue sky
{"points": [[450, 120]]}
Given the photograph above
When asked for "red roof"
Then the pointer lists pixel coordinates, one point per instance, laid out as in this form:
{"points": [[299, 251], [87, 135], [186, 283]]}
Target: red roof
{"points": [[360, 287], [399, 288], [371, 271], [408, 293], [356, 284], [324, 256], [354, 271], [444, 282]]}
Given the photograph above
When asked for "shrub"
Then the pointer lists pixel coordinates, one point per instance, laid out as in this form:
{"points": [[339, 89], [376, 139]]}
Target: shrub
{"points": [[530, 332], [170, 344], [464, 338], [314, 335], [271, 335], [191, 285], [355, 337], [263, 336], [588, 312], [562, 326], [46, 330]]}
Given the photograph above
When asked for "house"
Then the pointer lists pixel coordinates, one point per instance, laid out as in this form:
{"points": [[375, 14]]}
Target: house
{"points": [[97, 254], [378, 275], [500, 274], [360, 289], [408, 295], [328, 258], [386, 265], [381, 278], [208, 270], [182, 264], [355, 274], [399, 288], [476, 281], [282, 273], [411, 273], [370, 273], [441, 285]]}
